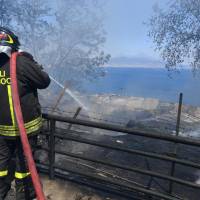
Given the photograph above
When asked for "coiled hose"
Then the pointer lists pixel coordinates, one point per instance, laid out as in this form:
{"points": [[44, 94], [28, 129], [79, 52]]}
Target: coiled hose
{"points": [[23, 134]]}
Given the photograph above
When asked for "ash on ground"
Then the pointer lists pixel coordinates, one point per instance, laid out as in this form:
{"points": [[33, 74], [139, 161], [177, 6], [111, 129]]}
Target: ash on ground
{"points": [[148, 115]]}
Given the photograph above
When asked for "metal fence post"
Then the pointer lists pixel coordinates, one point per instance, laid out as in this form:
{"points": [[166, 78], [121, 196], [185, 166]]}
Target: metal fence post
{"points": [[177, 133], [52, 148]]}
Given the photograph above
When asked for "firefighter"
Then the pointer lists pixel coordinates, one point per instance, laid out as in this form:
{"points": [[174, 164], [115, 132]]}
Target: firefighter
{"points": [[30, 77]]}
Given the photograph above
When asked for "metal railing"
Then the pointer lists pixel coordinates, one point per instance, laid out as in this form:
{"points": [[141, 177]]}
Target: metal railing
{"points": [[126, 188]]}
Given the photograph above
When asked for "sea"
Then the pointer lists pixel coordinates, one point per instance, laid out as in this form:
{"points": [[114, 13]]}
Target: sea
{"points": [[156, 83]]}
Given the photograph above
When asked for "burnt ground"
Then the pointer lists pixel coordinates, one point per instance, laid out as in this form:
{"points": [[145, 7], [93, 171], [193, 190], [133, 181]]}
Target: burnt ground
{"points": [[69, 190], [130, 160], [162, 119]]}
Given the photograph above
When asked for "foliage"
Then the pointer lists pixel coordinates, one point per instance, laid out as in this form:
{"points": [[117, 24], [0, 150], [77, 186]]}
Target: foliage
{"points": [[176, 33], [66, 36], [75, 45], [33, 25], [6, 8]]}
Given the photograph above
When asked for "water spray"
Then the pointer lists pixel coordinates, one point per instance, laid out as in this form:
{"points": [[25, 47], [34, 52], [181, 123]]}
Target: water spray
{"points": [[70, 93]]}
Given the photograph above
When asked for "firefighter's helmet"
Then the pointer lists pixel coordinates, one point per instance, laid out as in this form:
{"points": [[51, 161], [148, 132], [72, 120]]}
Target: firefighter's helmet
{"points": [[8, 38]]}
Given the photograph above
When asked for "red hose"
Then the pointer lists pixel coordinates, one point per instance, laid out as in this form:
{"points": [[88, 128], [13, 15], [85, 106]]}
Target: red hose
{"points": [[23, 134]]}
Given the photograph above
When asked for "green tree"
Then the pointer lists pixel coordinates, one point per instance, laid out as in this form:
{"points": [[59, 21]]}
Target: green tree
{"points": [[75, 45], [176, 33], [65, 35], [32, 24], [6, 8]]}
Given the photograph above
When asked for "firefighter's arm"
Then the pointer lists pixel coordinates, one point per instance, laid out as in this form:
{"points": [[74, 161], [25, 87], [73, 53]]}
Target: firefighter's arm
{"points": [[33, 72]]}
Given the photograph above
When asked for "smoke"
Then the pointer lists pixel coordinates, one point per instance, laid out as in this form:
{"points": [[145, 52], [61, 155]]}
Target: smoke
{"points": [[67, 39], [65, 36]]}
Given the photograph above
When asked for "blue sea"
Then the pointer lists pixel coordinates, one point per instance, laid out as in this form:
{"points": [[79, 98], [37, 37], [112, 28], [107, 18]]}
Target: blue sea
{"points": [[148, 83]]}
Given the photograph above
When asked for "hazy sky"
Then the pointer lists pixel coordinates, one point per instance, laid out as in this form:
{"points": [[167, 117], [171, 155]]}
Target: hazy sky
{"points": [[126, 32]]}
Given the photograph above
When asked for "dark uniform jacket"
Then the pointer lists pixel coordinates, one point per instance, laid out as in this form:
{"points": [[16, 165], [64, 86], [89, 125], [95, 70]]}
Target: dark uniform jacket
{"points": [[30, 77]]}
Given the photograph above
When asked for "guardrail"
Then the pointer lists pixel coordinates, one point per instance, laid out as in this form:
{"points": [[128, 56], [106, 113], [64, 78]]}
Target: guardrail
{"points": [[133, 190]]}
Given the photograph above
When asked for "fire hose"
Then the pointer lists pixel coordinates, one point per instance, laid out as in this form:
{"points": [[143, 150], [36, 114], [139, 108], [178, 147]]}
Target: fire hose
{"points": [[23, 135]]}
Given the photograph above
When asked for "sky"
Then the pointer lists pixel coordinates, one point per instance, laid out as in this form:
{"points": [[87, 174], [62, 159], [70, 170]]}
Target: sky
{"points": [[127, 39]]}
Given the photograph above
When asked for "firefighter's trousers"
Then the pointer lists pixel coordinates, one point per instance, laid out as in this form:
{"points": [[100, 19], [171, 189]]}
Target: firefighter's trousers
{"points": [[13, 165]]}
